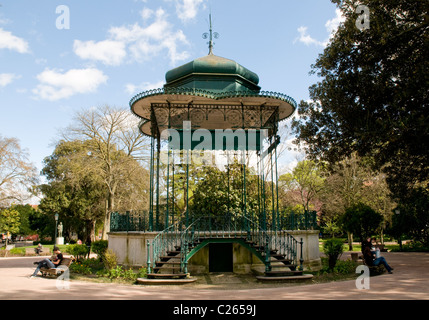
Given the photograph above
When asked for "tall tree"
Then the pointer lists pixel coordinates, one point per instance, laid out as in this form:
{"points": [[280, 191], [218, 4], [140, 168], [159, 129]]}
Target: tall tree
{"points": [[373, 95], [9, 221], [223, 193], [351, 181], [77, 187], [17, 174], [307, 179], [73, 190], [112, 132]]}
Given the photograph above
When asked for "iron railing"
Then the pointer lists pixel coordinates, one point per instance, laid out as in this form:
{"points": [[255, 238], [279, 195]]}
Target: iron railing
{"points": [[140, 221]]}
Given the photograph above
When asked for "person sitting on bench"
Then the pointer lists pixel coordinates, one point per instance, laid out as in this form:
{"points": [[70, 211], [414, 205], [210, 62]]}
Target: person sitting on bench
{"points": [[39, 249], [48, 263], [371, 260]]}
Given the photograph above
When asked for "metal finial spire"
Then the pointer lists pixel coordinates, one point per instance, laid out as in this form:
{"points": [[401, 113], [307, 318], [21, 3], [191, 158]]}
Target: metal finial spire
{"points": [[210, 35]]}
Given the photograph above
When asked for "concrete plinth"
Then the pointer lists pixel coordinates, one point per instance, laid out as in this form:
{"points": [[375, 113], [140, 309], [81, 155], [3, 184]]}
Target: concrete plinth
{"points": [[131, 249]]}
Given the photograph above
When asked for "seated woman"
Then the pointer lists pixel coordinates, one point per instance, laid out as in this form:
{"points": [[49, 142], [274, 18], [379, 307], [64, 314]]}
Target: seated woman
{"points": [[371, 260]]}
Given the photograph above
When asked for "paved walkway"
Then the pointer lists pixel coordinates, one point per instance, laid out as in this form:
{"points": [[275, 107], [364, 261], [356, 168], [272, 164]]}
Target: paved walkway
{"points": [[410, 280]]}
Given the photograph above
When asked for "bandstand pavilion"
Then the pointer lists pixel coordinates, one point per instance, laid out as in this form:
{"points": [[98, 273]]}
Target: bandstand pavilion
{"points": [[211, 118]]}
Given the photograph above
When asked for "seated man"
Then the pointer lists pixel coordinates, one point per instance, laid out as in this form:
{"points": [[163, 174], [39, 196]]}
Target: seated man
{"points": [[48, 263], [39, 249]]}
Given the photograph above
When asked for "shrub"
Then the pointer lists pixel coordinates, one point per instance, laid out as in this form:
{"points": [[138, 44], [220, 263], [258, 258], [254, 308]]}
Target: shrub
{"points": [[99, 247], [120, 273], [110, 260], [333, 248], [81, 268], [78, 250]]}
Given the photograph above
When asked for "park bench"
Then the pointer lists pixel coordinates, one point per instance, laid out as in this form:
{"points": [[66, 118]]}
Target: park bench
{"points": [[374, 270], [56, 272], [32, 252]]}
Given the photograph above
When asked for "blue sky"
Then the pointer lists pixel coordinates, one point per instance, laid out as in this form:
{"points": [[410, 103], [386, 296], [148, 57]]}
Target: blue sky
{"points": [[112, 50]]}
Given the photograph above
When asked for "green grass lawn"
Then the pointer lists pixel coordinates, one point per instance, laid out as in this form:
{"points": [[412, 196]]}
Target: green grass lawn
{"points": [[21, 250], [357, 247]]}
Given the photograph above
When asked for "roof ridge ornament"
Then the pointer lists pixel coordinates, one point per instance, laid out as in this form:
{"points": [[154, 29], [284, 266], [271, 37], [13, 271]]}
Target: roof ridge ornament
{"points": [[210, 35]]}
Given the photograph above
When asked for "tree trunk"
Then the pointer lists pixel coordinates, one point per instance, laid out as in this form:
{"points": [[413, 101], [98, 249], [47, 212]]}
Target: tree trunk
{"points": [[109, 209], [350, 239]]}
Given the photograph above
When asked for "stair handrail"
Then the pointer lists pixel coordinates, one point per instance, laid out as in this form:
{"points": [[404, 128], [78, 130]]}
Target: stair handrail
{"points": [[281, 240], [187, 237], [165, 241], [180, 235]]}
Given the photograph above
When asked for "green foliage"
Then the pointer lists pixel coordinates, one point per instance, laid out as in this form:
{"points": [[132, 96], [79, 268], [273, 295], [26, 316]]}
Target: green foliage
{"points": [[110, 260], [361, 220], [99, 247], [373, 93], [221, 192], [73, 191], [344, 267], [94, 266], [307, 178], [26, 212], [80, 267], [78, 250], [9, 221], [333, 248], [413, 219], [120, 272]]}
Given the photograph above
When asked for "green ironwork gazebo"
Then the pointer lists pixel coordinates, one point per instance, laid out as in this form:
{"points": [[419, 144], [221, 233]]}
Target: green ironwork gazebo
{"points": [[211, 113]]}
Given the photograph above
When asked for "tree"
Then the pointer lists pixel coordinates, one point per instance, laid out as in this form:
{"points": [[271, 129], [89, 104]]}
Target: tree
{"points": [[221, 192], [373, 95], [9, 221], [26, 213], [350, 182], [115, 141], [413, 218], [77, 190], [73, 191], [361, 220], [17, 174], [307, 178]]}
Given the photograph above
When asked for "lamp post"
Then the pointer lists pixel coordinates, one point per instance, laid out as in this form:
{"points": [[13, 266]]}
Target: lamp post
{"points": [[56, 227], [398, 212]]}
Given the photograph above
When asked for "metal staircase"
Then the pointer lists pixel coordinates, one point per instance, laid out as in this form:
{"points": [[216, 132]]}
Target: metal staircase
{"points": [[169, 253]]}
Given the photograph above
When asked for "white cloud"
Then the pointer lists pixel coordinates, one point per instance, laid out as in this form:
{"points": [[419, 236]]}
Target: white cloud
{"points": [[11, 42], [187, 9], [109, 52], [150, 41], [132, 88], [331, 27], [307, 39], [139, 42], [55, 85], [7, 78], [333, 24], [146, 13]]}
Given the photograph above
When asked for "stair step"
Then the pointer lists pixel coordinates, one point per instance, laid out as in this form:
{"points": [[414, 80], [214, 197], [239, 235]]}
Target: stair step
{"points": [[166, 267], [166, 275], [168, 258], [161, 263], [302, 277], [262, 249], [290, 266], [173, 253], [284, 261], [283, 273]]}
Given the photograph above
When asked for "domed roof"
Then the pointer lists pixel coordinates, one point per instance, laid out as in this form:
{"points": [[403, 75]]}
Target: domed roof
{"points": [[211, 64], [213, 73]]}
